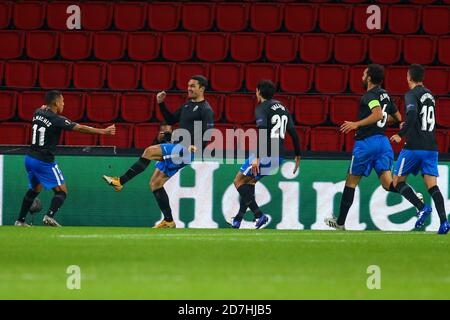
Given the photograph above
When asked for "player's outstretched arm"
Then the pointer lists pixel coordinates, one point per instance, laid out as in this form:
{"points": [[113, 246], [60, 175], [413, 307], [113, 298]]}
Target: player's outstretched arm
{"points": [[297, 148], [110, 131], [171, 118], [394, 118]]}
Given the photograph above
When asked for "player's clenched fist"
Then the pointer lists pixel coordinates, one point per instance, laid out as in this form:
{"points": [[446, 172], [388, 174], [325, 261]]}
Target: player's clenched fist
{"points": [[161, 96], [111, 130]]}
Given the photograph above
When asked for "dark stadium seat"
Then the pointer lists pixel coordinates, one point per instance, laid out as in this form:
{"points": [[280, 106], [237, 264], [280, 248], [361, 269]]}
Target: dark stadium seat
{"points": [[350, 49], [266, 17], [360, 17], [344, 108], [335, 18], [316, 47], [6, 9], [8, 103], [422, 2], [232, 17], [437, 79], [123, 137], [178, 46], [137, 107], [102, 106], [396, 147], [57, 14], [436, 20], [21, 74], [144, 134], [296, 78], [74, 138], [349, 140], [12, 44], [257, 71], [212, 46], [124, 75], [442, 139], [240, 108], [355, 78], [198, 16], [28, 102], [227, 76], [307, 23], [75, 45], [281, 47], [14, 133], [74, 105], [246, 46], [326, 139], [89, 75], [130, 16], [395, 80], [2, 67], [388, 1], [354, 1], [443, 111], [331, 78], [286, 100], [403, 19], [109, 45], [144, 46], [216, 102], [55, 74], [444, 50], [303, 134], [29, 15], [42, 45], [173, 102], [97, 15], [419, 49], [385, 49], [399, 102], [184, 71], [164, 16], [311, 110], [158, 75]]}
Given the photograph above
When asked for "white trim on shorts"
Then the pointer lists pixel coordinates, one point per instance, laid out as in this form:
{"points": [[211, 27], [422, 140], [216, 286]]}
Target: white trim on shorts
{"points": [[402, 164]]}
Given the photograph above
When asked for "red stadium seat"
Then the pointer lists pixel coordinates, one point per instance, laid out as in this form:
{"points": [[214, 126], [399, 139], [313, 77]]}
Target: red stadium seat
{"points": [[442, 139], [257, 71], [229, 142], [247, 46], [331, 78], [444, 50], [404, 19], [437, 79], [130, 16], [164, 16], [388, 1], [296, 78], [232, 17], [350, 49], [198, 16], [303, 134], [316, 48], [102, 106], [89, 75], [74, 138], [212, 46], [178, 46], [419, 49], [97, 15], [28, 102], [281, 47], [240, 108], [344, 108], [356, 74], [308, 21], [144, 46], [349, 141], [29, 15], [173, 103], [124, 75], [227, 76], [354, 1], [158, 75], [75, 45], [55, 74], [396, 147], [398, 101], [422, 2], [2, 66], [109, 45], [6, 8], [8, 103], [311, 110], [14, 133], [42, 45], [385, 49], [184, 72], [361, 16], [287, 101], [266, 17], [327, 139], [137, 107], [216, 102], [74, 105], [12, 43], [443, 111], [335, 18], [395, 80], [21, 74], [57, 14], [145, 134], [123, 137], [436, 20]]}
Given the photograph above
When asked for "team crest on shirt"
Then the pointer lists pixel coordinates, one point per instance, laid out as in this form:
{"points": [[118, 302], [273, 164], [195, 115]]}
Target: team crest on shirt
{"points": [[67, 122], [195, 108]]}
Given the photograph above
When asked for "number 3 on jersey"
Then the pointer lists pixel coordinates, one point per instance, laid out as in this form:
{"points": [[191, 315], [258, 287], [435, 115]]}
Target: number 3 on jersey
{"points": [[41, 132], [279, 126], [382, 122]]}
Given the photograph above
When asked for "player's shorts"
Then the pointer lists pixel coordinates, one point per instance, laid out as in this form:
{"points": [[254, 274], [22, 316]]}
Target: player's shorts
{"points": [[374, 152], [267, 166], [45, 173], [414, 161], [175, 158]]}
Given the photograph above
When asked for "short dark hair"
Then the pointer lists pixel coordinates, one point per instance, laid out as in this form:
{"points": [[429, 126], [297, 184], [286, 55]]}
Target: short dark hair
{"points": [[266, 89], [202, 81], [416, 72], [376, 73], [51, 97]]}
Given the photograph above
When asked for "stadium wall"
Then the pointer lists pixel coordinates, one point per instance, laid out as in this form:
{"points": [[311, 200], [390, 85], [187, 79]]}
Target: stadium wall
{"points": [[203, 196]]}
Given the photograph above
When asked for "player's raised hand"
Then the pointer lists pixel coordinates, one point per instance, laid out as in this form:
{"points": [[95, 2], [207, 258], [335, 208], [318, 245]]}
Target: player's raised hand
{"points": [[349, 126], [161, 96], [255, 167], [111, 130], [396, 138], [297, 164]]}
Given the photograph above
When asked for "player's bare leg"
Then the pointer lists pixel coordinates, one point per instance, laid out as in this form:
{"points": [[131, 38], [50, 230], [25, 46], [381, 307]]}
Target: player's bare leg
{"points": [[60, 195], [438, 199], [26, 205], [157, 182]]}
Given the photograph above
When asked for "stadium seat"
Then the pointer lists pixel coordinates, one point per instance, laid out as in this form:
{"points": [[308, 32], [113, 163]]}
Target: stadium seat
{"points": [[130, 16], [360, 18], [124, 75], [296, 78], [395, 80], [216, 102], [102, 106], [398, 101], [404, 19], [42, 45], [356, 73], [244, 140], [14, 133], [2, 67], [6, 8], [388, 1], [419, 49], [240, 108], [281, 47], [232, 17], [228, 142], [74, 138], [178, 46], [308, 21], [137, 107], [327, 139], [173, 103], [8, 103], [344, 108], [198, 16], [109, 45], [350, 49], [123, 137], [311, 110], [436, 20], [437, 79], [29, 15], [144, 46], [444, 50], [89, 75], [246, 46], [75, 45], [443, 111], [422, 2], [96, 15], [28, 102], [442, 139], [396, 147], [286, 100], [184, 71], [331, 78], [164, 16], [74, 105], [266, 17], [335, 18], [385, 49], [144, 134], [12, 43], [257, 71], [303, 134], [55, 74], [21, 74], [212, 46], [227, 76], [57, 14], [316, 48], [349, 141], [158, 75]]}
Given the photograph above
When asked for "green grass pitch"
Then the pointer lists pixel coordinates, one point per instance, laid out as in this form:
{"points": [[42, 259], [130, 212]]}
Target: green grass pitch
{"points": [[141, 263]]}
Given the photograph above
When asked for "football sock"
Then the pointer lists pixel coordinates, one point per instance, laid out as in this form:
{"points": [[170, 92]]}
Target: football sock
{"points": [[346, 202], [438, 202], [137, 168], [57, 202], [163, 202], [26, 204], [242, 209], [406, 191], [247, 192], [392, 188]]}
